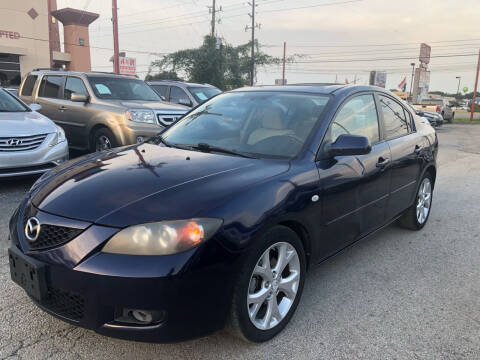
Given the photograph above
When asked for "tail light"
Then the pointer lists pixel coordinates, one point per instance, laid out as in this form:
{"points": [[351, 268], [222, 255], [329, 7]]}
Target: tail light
{"points": [[437, 109]]}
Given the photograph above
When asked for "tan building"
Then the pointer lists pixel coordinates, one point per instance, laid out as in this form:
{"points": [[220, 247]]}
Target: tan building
{"points": [[26, 42]]}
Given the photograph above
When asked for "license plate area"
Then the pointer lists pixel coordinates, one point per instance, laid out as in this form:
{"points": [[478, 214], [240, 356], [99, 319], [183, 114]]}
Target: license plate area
{"points": [[29, 274]]}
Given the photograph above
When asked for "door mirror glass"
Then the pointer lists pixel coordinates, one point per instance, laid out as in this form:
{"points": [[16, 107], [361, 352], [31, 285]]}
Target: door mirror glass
{"points": [[35, 107], [79, 97], [347, 144]]}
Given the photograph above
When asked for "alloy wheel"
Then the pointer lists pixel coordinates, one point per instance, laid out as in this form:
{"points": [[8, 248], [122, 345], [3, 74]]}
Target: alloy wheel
{"points": [[103, 143], [424, 200], [273, 285]]}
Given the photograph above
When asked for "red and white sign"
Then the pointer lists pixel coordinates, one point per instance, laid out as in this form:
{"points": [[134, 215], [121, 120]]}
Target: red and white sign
{"points": [[128, 66], [425, 51], [9, 34]]}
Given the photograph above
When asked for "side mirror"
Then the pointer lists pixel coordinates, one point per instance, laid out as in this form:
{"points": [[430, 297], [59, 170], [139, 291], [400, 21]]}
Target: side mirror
{"points": [[76, 97], [347, 144], [35, 107], [185, 102], [420, 113]]}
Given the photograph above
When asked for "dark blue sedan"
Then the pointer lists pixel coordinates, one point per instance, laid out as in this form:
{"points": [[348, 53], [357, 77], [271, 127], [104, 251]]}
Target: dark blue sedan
{"points": [[216, 220]]}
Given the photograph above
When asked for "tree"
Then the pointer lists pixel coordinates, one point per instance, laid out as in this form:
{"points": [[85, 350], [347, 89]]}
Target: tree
{"points": [[219, 64], [164, 75]]}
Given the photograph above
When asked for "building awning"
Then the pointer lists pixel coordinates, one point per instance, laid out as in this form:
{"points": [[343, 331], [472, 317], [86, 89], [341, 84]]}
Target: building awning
{"points": [[4, 49]]}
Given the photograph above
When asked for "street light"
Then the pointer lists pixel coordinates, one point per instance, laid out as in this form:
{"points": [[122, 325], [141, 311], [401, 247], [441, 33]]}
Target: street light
{"points": [[458, 87], [411, 82]]}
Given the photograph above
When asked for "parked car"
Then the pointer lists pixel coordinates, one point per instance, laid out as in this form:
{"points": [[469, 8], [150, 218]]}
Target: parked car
{"points": [[439, 106], [13, 91], [30, 143], [435, 119], [99, 111], [216, 220], [183, 93]]}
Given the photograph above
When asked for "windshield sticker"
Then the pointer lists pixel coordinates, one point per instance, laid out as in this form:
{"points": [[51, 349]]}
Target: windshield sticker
{"points": [[202, 96], [103, 89]]}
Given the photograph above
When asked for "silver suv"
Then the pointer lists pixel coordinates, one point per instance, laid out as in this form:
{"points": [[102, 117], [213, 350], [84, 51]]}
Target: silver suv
{"points": [[99, 110], [183, 93]]}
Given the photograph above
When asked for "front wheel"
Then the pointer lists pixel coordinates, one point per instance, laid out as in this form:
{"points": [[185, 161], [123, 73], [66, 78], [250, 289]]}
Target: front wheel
{"points": [[102, 139], [416, 217], [269, 286]]}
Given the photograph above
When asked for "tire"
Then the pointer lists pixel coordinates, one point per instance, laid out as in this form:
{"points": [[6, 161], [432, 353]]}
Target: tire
{"points": [[248, 283], [411, 220], [102, 134]]}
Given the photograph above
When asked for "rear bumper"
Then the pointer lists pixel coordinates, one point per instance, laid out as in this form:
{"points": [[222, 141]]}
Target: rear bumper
{"points": [[33, 162]]}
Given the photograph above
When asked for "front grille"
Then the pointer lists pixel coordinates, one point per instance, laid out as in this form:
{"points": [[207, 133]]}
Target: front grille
{"points": [[65, 303], [52, 235], [21, 143], [43, 167], [167, 120]]}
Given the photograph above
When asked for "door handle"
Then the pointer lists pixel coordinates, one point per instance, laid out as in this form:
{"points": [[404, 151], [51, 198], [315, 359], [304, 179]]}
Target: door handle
{"points": [[382, 162], [417, 149], [62, 108]]}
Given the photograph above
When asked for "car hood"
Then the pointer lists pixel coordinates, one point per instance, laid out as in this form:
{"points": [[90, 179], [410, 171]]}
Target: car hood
{"points": [[153, 105], [145, 183], [24, 124]]}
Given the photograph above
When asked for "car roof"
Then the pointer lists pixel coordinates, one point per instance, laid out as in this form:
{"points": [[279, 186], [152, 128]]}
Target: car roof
{"points": [[177, 82], [78, 73], [324, 89]]}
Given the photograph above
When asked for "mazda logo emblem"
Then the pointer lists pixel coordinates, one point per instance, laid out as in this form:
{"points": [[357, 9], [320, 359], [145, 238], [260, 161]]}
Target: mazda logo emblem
{"points": [[14, 142], [32, 229]]}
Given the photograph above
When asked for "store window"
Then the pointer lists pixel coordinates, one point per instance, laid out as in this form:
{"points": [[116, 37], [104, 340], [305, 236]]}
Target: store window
{"points": [[10, 70]]}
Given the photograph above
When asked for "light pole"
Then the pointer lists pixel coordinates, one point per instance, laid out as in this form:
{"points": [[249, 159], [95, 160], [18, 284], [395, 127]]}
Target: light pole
{"points": [[411, 82], [458, 87]]}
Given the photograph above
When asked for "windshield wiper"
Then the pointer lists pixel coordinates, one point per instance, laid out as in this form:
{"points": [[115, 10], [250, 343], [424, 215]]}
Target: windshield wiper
{"points": [[208, 147], [163, 141]]}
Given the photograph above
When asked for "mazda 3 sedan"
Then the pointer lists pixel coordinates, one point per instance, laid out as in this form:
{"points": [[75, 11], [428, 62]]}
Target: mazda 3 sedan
{"points": [[215, 221]]}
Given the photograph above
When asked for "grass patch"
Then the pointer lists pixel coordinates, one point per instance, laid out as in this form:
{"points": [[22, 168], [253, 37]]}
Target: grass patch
{"points": [[465, 120]]}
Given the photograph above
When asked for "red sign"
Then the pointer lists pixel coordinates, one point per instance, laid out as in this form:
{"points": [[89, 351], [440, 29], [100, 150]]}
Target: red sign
{"points": [[128, 66], [9, 34], [425, 51]]}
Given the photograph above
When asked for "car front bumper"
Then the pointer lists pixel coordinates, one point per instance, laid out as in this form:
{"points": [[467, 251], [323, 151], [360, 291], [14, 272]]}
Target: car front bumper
{"points": [[38, 161], [192, 290]]}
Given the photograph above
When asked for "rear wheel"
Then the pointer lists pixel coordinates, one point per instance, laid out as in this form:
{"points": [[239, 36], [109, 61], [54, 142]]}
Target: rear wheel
{"points": [[416, 217], [269, 286], [102, 139]]}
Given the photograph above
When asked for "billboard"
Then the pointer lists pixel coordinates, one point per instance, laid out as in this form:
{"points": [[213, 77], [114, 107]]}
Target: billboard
{"points": [[378, 78], [425, 51], [128, 66], [421, 85]]}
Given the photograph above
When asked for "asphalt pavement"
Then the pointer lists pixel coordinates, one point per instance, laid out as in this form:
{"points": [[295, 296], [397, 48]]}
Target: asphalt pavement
{"points": [[396, 295]]}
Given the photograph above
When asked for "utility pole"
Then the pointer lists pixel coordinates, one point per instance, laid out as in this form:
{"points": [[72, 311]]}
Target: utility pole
{"points": [[458, 86], [50, 45], [411, 82], [284, 61], [252, 27], [213, 10], [116, 64], [475, 89]]}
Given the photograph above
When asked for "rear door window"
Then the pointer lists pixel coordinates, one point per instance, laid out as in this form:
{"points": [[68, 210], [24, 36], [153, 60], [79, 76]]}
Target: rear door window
{"points": [[28, 85], [74, 85], [50, 86], [396, 123]]}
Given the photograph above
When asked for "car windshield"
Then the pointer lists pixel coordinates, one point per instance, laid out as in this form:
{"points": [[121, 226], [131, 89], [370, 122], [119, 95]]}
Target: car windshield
{"points": [[118, 88], [203, 93], [255, 123], [8, 103]]}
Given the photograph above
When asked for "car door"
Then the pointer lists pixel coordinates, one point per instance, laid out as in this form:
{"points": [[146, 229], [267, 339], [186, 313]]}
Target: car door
{"points": [[178, 96], [49, 94], [405, 146], [74, 116], [354, 188]]}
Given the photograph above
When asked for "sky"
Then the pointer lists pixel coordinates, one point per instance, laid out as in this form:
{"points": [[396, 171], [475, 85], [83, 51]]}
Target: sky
{"points": [[335, 39]]}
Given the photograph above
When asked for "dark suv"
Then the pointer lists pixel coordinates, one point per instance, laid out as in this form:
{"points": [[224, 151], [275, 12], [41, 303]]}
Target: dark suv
{"points": [[184, 93]]}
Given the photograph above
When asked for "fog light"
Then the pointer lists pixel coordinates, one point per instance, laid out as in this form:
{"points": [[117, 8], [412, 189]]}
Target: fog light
{"points": [[142, 316], [140, 139]]}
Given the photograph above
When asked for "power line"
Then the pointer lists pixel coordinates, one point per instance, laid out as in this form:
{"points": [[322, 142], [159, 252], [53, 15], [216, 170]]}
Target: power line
{"points": [[378, 59]]}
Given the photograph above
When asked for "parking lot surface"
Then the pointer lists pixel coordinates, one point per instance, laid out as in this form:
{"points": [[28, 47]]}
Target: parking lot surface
{"points": [[396, 295]]}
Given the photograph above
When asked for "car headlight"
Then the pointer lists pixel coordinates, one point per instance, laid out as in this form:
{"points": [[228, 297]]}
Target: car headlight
{"points": [[140, 115], [162, 238], [59, 136]]}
